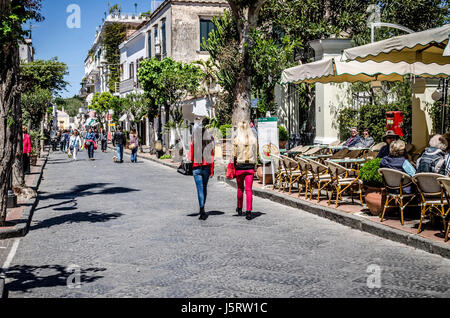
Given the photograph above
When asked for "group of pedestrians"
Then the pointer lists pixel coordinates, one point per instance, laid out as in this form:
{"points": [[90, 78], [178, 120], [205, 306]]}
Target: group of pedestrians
{"points": [[201, 154]]}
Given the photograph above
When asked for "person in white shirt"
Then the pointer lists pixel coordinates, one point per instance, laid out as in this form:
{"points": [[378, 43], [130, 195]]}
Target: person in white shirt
{"points": [[75, 144]]}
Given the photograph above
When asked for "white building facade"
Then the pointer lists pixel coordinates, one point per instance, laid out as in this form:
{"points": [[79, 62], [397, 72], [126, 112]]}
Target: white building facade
{"points": [[175, 29]]}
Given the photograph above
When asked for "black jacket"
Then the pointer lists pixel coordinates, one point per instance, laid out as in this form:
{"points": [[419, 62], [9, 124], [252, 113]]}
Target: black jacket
{"points": [[119, 138]]}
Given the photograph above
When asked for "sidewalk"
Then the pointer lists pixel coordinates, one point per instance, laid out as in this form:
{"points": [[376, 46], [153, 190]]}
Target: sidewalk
{"points": [[147, 156], [22, 214]]}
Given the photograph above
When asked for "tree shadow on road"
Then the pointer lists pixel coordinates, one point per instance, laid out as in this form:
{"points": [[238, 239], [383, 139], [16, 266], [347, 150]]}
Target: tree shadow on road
{"points": [[86, 190], [24, 278], [78, 217], [56, 204]]}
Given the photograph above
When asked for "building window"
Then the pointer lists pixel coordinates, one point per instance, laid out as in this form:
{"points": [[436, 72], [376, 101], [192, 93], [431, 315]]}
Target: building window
{"points": [[163, 35], [131, 70], [206, 26]]}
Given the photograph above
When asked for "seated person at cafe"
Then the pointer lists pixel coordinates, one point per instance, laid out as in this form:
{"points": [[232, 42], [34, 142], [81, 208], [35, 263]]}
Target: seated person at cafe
{"points": [[397, 161], [434, 157], [366, 140], [354, 139], [388, 138]]}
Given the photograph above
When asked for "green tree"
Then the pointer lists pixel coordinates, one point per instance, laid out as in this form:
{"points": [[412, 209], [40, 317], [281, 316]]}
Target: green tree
{"points": [[35, 106], [71, 105], [135, 105], [101, 103], [167, 83], [45, 74], [246, 15], [13, 14]]}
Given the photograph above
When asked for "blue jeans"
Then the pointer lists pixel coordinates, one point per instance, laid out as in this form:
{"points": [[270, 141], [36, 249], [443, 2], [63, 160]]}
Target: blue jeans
{"points": [[91, 151], [134, 154], [201, 177], [119, 150]]}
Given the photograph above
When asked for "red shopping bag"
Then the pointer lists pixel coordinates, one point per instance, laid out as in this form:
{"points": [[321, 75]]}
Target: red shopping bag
{"points": [[231, 171], [95, 146]]}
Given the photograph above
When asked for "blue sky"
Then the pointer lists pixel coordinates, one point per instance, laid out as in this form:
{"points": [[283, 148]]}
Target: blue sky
{"points": [[53, 38]]}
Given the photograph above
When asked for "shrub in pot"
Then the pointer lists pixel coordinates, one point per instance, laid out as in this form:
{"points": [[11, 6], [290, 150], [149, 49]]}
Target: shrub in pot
{"points": [[283, 136], [374, 192]]}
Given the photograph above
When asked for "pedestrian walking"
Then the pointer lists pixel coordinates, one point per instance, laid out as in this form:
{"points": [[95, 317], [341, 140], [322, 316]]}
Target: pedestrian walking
{"points": [[75, 144], [26, 150], [90, 143], [62, 140], [134, 145], [245, 158], [201, 154], [119, 141], [66, 142], [104, 139]]}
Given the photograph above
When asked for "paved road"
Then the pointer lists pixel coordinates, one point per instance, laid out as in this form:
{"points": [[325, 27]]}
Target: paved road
{"points": [[133, 231]]}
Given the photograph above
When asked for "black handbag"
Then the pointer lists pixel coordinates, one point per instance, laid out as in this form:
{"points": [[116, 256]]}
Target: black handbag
{"points": [[185, 168]]}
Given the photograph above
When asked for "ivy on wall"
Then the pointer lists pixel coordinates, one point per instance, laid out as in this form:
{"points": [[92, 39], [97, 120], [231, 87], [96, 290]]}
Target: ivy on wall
{"points": [[115, 33]]}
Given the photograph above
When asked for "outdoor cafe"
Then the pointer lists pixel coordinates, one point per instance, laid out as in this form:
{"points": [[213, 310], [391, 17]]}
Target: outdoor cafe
{"points": [[332, 171]]}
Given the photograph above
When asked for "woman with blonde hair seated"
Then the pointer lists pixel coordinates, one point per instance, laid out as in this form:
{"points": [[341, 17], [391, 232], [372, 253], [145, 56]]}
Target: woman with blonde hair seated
{"points": [[397, 161], [245, 155]]}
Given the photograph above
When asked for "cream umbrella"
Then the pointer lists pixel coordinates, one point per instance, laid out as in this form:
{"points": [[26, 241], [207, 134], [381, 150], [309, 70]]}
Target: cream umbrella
{"points": [[335, 71], [430, 46]]}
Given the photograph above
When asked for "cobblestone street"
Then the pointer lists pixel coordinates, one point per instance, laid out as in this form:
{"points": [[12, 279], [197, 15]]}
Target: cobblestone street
{"points": [[133, 231]]}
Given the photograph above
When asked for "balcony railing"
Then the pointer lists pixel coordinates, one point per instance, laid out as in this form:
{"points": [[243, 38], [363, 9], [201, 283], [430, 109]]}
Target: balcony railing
{"points": [[127, 85]]}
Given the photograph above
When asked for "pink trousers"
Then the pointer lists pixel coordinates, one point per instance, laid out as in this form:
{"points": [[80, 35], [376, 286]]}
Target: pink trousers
{"points": [[245, 177]]}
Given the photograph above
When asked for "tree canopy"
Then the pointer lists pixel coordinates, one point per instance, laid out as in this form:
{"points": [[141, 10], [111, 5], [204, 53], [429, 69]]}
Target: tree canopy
{"points": [[45, 74]]}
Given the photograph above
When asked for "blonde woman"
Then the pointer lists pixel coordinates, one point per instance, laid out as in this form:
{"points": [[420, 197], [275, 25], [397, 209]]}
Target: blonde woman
{"points": [[245, 158]]}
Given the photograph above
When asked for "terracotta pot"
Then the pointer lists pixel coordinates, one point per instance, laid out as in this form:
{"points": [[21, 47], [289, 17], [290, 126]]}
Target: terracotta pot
{"points": [[282, 144], [268, 177], [375, 198]]}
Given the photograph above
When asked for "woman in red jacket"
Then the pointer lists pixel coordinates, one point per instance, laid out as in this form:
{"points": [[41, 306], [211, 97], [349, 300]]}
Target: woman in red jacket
{"points": [[26, 150], [201, 154]]}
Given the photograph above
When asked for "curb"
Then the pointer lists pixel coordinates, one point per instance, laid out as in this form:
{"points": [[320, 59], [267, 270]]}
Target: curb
{"points": [[22, 228], [146, 158], [353, 221]]}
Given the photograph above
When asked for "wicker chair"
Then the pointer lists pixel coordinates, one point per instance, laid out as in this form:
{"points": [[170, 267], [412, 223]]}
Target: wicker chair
{"points": [[395, 183], [292, 172], [306, 177], [342, 180], [445, 183], [432, 195], [280, 174], [320, 177]]}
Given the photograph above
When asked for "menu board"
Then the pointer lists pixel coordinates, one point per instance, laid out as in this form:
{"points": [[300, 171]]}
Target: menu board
{"points": [[268, 138]]}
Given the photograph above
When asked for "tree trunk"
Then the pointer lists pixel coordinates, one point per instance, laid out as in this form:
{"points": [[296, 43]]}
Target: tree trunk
{"points": [[18, 175], [247, 18], [152, 137], [41, 140], [9, 121]]}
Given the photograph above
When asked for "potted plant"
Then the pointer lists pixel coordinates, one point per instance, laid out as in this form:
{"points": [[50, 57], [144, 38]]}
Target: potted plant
{"points": [[374, 192], [283, 136], [33, 157]]}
